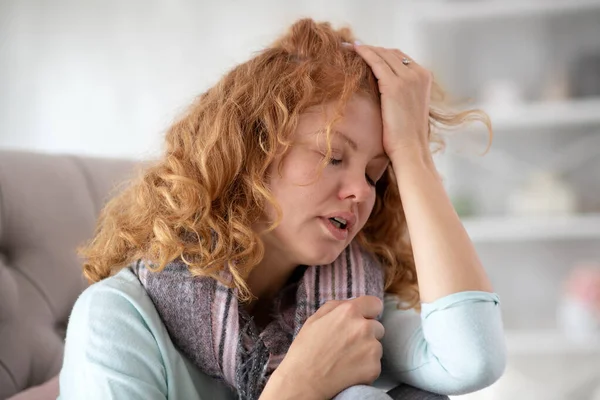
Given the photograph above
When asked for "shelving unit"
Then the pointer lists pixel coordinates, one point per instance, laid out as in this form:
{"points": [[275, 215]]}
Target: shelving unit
{"points": [[509, 229], [555, 115], [437, 11], [548, 342], [523, 49]]}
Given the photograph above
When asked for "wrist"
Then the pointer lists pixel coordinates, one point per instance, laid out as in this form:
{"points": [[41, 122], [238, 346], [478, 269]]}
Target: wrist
{"points": [[285, 386], [413, 160]]}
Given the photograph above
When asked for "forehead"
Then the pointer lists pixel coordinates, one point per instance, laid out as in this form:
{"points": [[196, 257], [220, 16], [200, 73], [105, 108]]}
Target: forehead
{"points": [[361, 119]]}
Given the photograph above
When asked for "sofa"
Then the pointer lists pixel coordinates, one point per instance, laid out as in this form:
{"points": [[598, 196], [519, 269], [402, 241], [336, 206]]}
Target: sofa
{"points": [[48, 206]]}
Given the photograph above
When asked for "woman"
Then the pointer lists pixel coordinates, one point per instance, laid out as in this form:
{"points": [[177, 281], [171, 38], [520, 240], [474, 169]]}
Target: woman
{"points": [[253, 259]]}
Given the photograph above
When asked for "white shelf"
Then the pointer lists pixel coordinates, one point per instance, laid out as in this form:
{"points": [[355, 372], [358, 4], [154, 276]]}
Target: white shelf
{"points": [[543, 115], [436, 11], [507, 229], [547, 342]]}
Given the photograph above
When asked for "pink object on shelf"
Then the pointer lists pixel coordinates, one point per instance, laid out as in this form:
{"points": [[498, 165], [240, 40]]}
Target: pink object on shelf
{"points": [[578, 313], [583, 283]]}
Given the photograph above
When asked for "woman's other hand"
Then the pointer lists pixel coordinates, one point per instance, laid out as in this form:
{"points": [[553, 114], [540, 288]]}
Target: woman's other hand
{"points": [[338, 347]]}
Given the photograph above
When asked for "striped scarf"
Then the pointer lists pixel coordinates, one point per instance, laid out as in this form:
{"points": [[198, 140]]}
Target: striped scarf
{"points": [[208, 325]]}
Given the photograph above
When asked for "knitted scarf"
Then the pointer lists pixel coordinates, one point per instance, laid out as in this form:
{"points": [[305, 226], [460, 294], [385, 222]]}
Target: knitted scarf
{"points": [[208, 325]]}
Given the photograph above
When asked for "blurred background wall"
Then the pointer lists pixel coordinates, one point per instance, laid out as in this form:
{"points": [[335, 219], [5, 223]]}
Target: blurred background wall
{"points": [[106, 78]]}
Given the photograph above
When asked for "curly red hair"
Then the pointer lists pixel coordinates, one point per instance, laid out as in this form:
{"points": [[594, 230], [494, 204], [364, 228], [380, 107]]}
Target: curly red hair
{"points": [[200, 200]]}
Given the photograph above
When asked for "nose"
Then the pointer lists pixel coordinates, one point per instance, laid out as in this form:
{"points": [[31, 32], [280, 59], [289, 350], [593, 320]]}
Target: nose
{"points": [[356, 188]]}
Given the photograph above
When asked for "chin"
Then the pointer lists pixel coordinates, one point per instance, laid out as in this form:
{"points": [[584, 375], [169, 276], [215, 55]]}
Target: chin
{"points": [[323, 255]]}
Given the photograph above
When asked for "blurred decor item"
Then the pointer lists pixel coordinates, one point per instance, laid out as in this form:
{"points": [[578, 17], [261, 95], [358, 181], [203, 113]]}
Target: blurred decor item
{"points": [[464, 205], [578, 314], [556, 87], [585, 75], [501, 96], [545, 194]]}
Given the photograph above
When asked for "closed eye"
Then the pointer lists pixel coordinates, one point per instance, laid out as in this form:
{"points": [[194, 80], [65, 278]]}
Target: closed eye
{"points": [[335, 161]]}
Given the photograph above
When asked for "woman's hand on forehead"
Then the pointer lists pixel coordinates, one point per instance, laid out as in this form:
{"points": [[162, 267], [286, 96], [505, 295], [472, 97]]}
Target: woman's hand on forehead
{"points": [[405, 89]]}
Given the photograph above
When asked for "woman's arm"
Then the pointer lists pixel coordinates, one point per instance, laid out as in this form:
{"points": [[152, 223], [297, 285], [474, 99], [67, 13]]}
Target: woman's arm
{"points": [[445, 257], [459, 340], [454, 346]]}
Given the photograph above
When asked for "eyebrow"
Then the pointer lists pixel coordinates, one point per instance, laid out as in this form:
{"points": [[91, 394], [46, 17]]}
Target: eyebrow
{"points": [[353, 144]]}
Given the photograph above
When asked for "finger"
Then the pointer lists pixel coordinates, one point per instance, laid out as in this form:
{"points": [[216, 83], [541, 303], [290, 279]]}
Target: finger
{"points": [[369, 306], [392, 59], [326, 309], [400, 55], [378, 65], [377, 328]]}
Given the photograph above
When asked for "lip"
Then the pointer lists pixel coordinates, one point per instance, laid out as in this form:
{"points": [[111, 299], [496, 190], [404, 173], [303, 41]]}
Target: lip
{"points": [[337, 233], [348, 216]]}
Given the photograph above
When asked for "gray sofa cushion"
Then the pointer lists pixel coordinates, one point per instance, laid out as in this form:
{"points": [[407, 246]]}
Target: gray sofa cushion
{"points": [[46, 391], [48, 206]]}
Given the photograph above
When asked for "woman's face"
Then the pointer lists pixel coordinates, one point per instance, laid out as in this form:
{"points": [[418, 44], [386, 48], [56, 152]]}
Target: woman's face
{"points": [[323, 213]]}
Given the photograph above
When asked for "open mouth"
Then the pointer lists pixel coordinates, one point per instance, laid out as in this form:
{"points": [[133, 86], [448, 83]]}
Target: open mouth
{"points": [[337, 226], [339, 223]]}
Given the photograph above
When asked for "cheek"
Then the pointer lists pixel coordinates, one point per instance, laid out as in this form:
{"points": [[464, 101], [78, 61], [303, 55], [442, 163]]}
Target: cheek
{"points": [[300, 172]]}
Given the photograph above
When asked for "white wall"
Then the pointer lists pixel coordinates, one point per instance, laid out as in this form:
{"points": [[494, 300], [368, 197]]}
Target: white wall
{"points": [[102, 77]]}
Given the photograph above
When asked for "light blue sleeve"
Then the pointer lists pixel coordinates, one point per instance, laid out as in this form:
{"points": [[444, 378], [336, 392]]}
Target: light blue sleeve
{"points": [[110, 353], [456, 344]]}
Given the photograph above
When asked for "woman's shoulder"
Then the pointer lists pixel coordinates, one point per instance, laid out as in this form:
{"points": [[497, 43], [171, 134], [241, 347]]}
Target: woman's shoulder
{"points": [[118, 303], [117, 300], [123, 292], [123, 281], [114, 332], [117, 343]]}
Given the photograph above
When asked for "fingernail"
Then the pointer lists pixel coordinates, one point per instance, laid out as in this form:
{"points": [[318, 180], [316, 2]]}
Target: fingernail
{"points": [[357, 42], [346, 44]]}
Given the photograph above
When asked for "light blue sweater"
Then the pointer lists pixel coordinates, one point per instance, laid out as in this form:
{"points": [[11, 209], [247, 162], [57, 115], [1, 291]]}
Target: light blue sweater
{"points": [[118, 348]]}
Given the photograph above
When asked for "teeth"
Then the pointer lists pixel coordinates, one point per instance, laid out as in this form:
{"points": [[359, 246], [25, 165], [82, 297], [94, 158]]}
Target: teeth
{"points": [[339, 223], [340, 220]]}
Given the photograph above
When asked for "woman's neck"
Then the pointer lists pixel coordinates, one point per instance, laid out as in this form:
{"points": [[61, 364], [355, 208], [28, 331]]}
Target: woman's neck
{"points": [[268, 277]]}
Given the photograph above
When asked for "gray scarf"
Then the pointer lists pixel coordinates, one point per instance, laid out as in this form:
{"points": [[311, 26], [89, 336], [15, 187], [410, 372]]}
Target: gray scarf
{"points": [[208, 325]]}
